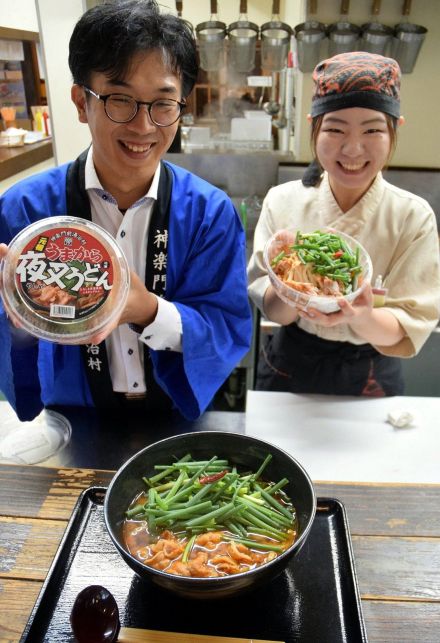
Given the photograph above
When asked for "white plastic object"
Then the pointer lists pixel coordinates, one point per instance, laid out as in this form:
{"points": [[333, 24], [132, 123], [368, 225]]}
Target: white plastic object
{"points": [[33, 441], [400, 419]]}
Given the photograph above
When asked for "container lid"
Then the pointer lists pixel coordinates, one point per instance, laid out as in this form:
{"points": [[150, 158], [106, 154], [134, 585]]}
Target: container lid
{"points": [[65, 279]]}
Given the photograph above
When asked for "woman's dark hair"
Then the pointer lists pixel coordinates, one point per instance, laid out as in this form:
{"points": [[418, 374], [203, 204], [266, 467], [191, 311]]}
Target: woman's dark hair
{"points": [[107, 38]]}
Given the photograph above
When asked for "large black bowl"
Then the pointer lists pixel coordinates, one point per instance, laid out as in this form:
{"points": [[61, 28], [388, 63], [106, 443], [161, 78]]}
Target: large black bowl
{"points": [[246, 453]]}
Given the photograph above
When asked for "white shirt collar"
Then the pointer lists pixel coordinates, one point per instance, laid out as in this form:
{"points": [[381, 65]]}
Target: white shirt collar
{"points": [[92, 182]]}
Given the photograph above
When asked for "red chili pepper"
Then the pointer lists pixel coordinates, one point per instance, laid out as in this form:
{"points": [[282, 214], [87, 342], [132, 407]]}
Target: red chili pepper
{"points": [[338, 254], [213, 478]]}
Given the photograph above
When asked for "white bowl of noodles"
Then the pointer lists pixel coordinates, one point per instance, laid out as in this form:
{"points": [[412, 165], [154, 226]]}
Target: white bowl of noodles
{"points": [[303, 277]]}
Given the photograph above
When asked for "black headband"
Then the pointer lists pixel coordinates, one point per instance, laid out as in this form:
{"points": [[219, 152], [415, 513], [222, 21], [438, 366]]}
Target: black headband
{"points": [[367, 99]]}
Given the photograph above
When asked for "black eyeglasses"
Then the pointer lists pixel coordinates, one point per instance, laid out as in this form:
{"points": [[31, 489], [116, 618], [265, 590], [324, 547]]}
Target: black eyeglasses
{"points": [[120, 108]]}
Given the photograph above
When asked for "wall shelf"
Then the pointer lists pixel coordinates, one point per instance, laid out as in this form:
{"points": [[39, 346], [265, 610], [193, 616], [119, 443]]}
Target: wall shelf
{"points": [[17, 159]]}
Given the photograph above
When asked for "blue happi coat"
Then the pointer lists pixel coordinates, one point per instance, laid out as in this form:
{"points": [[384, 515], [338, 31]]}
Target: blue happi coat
{"points": [[206, 280]]}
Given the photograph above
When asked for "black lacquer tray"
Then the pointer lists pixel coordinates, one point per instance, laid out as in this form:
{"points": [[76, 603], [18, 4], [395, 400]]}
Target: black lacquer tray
{"points": [[315, 600]]}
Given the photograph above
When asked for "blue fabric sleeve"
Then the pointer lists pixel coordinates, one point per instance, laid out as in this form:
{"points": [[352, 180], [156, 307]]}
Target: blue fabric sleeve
{"points": [[30, 200]]}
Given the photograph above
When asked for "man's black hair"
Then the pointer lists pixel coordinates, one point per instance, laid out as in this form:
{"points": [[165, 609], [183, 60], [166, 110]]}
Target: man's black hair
{"points": [[107, 37]]}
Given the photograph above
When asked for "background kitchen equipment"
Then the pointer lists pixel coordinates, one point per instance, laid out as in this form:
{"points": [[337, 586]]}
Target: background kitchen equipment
{"points": [[280, 121], [285, 132], [272, 107], [8, 115], [12, 137], [311, 40], [343, 35], [407, 42], [211, 41], [275, 41], [376, 38], [242, 37]]}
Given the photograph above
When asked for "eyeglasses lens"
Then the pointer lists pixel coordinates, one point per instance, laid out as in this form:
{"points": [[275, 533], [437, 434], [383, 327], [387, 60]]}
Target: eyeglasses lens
{"points": [[123, 109]]}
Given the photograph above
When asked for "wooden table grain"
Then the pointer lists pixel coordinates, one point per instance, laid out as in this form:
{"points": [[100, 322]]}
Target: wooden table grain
{"points": [[395, 530]]}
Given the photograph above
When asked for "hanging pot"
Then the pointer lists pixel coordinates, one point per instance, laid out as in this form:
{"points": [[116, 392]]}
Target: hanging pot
{"points": [[376, 38], [275, 41], [211, 41], [242, 37], [310, 39], [407, 42], [343, 36]]}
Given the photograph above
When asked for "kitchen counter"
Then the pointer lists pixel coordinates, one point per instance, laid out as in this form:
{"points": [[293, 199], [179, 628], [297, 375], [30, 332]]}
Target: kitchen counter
{"points": [[106, 442], [17, 159], [334, 438], [239, 175], [350, 438]]}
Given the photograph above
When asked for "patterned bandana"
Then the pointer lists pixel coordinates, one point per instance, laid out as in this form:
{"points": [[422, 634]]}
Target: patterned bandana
{"points": [[357, 79]]}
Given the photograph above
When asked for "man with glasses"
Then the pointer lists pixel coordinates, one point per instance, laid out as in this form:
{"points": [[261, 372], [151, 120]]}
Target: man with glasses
{"points": [[187, 322]]}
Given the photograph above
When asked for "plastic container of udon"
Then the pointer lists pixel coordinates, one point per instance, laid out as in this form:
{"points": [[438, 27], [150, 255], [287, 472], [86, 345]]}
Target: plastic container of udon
{"points": [[296, 297], [65, 279]]}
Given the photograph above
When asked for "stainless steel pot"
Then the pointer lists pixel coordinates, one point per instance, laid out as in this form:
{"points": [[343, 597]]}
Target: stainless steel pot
{"points": [[407, 42], [275, 41], [242, 37], [342, 37], [211, 41], [310, 39], [376, 38]]}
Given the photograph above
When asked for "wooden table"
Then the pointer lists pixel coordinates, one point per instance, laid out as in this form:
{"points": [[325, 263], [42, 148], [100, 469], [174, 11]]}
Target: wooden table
{"points": [[395, 531]]}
